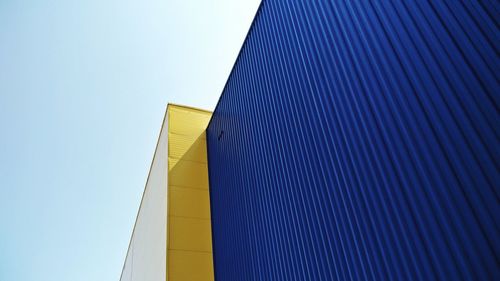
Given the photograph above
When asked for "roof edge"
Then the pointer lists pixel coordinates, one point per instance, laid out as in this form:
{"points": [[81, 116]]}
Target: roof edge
{"points": [[190, 107]]}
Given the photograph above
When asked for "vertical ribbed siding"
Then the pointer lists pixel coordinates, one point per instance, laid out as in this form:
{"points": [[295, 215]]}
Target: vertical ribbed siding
{"points": [[359, 140]]}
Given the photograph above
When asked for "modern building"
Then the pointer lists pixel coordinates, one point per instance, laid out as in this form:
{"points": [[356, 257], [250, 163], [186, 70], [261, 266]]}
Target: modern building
{"points": [[352, 141], [172, 238]]}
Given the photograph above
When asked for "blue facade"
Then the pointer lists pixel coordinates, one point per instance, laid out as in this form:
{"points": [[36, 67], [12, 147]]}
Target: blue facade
{"points": [[359, 140]]}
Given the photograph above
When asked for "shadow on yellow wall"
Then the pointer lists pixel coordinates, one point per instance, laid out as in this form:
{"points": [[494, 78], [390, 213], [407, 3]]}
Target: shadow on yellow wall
{"points": [[189, 240]]}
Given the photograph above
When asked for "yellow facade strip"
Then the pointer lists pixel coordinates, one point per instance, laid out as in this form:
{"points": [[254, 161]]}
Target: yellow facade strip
{"points": [[185, 121], [187, 147], [189, 202], [188, 173], [189, 235], [192, 266]]}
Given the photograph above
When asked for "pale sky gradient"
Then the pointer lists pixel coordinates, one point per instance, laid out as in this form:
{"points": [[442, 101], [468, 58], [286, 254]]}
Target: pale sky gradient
{"points": [[83, 89]]}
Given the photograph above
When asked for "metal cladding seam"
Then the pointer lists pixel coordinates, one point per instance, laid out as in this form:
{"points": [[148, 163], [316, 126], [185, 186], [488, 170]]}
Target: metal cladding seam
{"points": [[359, 140]]}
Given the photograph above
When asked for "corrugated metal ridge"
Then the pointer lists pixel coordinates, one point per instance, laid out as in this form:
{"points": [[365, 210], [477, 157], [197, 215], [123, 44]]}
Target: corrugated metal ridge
{"points": [[360, 143]]}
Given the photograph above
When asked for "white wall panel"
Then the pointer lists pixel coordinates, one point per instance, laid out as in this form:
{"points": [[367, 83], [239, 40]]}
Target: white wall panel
{"points": [[146, 256]]}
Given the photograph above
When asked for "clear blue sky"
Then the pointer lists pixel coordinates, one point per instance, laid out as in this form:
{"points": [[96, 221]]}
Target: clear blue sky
{"points": [[83, 89]]}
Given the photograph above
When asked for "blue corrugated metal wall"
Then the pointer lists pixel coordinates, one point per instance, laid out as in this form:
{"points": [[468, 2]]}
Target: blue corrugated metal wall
{"points": [[359, 140]]}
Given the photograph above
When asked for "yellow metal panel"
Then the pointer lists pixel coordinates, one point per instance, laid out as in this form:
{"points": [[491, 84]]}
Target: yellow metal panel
{"points": [[188, 147], [190, 266], [189, 241], [189, 202], [187, 121], [190, 234], [187, 173]]}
